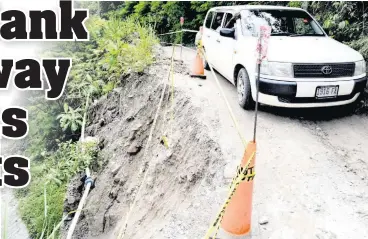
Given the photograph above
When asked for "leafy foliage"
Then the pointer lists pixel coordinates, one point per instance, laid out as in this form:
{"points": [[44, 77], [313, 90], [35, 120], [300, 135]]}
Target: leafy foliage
{"points": [[361, 45], [342, 20], [70, 118], [128, 46], [44, 129], [52, 176], [68, 161], [116, 48]]}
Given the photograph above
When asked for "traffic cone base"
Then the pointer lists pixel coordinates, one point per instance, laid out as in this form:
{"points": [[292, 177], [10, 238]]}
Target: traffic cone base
{"points": [[199, 76], [198, 68]]}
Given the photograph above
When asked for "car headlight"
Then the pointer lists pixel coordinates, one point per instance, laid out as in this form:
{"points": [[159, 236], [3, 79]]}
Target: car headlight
{"points": [[360, 68], [280, 69]]}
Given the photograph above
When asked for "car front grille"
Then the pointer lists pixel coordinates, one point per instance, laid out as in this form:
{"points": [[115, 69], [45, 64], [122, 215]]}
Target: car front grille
{"points": [[331, 70]]}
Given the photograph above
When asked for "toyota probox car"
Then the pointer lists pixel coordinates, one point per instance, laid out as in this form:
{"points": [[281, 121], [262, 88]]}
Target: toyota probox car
{"points": [[304, 67]]}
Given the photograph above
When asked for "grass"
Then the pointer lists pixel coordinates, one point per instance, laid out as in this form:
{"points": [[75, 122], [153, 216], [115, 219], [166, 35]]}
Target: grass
{"points": [[41, 203], [41, 207]]}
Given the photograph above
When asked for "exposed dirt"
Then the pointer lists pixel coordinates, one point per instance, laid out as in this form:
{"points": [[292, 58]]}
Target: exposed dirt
{"points": [[180, 178], [311, 164]]}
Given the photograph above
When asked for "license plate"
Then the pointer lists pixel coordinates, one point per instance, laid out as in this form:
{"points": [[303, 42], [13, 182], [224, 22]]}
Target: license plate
{"points": [[327, 91]]}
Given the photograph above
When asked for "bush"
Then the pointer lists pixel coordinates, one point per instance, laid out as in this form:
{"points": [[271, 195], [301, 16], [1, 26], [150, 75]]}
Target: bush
{"points": [[128, 47], [41, 203], [361, 45]]}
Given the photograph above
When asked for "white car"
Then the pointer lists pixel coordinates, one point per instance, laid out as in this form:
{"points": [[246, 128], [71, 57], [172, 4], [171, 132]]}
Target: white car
{"points": [[304, 67]]}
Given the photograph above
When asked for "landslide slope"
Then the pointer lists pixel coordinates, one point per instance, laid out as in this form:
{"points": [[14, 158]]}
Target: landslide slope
{"points": [[175, 201]]}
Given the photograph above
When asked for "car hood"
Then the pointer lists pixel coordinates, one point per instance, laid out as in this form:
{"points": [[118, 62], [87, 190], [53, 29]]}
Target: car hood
{"points": [[309, 50]]}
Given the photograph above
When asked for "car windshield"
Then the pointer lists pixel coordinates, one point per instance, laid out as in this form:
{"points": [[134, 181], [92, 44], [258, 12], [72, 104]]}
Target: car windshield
{"points": [[283, 22]]}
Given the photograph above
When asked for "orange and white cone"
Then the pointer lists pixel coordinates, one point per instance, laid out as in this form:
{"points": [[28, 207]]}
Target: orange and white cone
{"points": [[198, 68], [238, 213]]}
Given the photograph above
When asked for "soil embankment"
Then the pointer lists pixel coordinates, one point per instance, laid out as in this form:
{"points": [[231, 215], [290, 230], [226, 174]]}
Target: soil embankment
{"points": [[174, 201]]}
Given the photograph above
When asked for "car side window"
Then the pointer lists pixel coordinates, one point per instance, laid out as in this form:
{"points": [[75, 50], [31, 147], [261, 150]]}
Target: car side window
{"points": [[228, 18], [209, 20], [231, 23], [216, 24]]}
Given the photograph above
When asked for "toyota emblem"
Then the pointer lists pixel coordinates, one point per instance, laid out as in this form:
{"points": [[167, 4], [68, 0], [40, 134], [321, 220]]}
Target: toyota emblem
{"points": [[326, 70]]}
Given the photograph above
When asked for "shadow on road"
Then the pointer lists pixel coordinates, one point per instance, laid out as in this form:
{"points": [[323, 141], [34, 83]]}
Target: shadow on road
{"points": [[322, 114]]}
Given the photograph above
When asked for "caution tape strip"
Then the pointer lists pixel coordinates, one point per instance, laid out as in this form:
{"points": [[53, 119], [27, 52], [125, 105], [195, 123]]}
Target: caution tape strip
{"points": [[233, 186], [164, 138], [183, 30], [173, 44], [172, 99], [201, 49], [240, 176]]}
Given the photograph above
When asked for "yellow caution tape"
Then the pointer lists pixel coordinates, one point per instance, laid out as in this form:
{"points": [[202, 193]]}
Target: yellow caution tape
{"points": [[165, 141], [165, 138], [241, 175]]}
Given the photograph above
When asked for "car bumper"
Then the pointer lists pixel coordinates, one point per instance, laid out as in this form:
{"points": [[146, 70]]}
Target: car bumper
{"points": [[302, 94]]}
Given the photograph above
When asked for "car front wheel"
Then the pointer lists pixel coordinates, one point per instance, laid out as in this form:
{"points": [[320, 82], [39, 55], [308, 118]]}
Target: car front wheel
{"points": [[244, 90], [205, 65]]}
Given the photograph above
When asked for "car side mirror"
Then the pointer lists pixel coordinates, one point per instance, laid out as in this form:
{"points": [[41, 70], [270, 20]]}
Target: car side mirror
{"points": [[227, 32]]}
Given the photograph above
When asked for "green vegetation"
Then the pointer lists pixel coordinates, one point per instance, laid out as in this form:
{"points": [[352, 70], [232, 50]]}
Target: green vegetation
{"points": [[342, 20], [117, 48], [49, 180]]}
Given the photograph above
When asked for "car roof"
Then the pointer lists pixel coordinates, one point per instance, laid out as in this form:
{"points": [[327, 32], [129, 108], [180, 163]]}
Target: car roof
{"points": [[253, 7]]}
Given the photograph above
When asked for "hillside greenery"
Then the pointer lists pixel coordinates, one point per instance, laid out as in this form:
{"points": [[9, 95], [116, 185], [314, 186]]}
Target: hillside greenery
{"points": [[123, 36], [118, 47]]}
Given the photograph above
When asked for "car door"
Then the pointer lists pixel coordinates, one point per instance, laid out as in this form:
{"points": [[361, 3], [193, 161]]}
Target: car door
{"points": [[214, 34], [226, 48], [207, 41]]}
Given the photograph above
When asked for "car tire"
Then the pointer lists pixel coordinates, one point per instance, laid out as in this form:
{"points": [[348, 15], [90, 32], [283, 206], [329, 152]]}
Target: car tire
{"points": [[357, 104], [244, 90], [206, 65]]}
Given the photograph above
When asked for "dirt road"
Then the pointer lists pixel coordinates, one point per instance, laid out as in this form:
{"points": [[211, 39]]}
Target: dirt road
{"points": [[312, 165]]}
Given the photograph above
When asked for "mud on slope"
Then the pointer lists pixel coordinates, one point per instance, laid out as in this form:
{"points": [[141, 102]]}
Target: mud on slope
{"points": [[174, 200]]}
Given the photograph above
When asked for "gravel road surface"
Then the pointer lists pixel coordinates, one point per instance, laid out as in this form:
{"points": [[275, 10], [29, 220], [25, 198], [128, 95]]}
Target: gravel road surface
{"points": [[312, 165]]}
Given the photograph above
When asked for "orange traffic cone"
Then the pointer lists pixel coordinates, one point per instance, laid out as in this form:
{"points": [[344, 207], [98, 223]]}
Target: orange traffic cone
{"points": [[197, 68], [237, 215]]}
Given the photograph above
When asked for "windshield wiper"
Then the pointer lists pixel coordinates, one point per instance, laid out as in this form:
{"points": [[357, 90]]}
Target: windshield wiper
{"points": [[280, 34], [306, 35], [295, 34]]}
